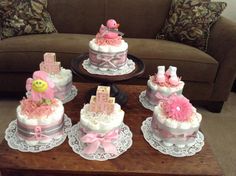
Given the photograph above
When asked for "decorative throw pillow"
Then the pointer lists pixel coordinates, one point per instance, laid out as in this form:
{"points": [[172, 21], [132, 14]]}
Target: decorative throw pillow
{"points": [[189, 21], [20, 17]]}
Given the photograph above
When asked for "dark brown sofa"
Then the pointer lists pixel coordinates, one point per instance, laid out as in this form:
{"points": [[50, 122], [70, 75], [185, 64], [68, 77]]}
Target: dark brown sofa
{"points": [[208, 76]]}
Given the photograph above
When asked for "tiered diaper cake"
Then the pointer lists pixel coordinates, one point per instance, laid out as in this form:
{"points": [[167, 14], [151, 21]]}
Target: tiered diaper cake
{"points": [[102, 117], [163, 84], [108, 51], [175, 121], [40, 117], [174, 126], [61, 77], [101, 133]]}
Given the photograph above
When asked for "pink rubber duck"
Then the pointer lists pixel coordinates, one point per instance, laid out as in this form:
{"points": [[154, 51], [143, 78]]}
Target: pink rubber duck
{"points": [[110, 31], [112, 24]]}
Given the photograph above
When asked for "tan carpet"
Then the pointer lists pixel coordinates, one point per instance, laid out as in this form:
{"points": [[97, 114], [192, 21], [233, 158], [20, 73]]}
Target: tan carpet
{"points": [[218, 128]]}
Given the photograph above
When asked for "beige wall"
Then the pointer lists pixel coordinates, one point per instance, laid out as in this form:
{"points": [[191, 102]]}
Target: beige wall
{"points": [[230, 10]]}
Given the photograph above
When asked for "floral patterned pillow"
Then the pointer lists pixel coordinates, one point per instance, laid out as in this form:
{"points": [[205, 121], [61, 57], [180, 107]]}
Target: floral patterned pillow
{"points": [[20, 17], [189, 21]]}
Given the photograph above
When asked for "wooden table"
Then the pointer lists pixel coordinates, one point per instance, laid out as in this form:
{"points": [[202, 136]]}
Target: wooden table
{"points": [[140, 159]]}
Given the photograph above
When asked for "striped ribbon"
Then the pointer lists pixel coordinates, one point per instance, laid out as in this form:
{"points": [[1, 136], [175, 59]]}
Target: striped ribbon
{"points": [[40, 132]]}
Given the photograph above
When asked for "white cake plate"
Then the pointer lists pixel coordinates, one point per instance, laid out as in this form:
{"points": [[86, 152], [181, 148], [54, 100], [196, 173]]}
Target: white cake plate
{"points": [[126, 69], [187, 150], [16, 143], [143, 100], [122, 144], [71, 95]]}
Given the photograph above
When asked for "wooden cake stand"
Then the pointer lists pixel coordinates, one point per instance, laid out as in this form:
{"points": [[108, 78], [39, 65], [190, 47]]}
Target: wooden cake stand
{"points": [[106, 80]]}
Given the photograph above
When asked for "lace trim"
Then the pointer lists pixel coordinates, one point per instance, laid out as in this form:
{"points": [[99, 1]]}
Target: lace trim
{"points": [[143, 100], [71, 96]]}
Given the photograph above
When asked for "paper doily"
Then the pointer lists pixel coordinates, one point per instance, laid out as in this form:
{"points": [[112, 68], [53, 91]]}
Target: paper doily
{"points": [[71, 95], [143, 100], [126, 69], [15, 143], [171, 150], [122, 144]]}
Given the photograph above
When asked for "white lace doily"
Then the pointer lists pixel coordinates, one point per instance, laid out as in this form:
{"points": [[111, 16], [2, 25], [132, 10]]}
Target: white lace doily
{"points": [[71, 95], [122, 144], [143, 100], [15, 143], [171, 150], [126, 69]]}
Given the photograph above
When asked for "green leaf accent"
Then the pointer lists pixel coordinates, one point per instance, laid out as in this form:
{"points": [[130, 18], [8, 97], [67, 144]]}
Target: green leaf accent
{"points": [[194, 2], [45, 101], [174, 18], [28, 29], [37, 7]]}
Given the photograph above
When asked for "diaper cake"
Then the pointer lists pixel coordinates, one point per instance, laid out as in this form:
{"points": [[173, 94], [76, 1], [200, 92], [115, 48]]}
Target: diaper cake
{"points": [[175, 121], [61, 77], [163, 84], [40, 116], [108, 51], [101, 118]]}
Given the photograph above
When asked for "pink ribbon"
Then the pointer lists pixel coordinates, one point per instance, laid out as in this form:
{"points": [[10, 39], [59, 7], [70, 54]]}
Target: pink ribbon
{"points": [[94, 141], [160, 96], [172, 135], [38, 132], [106, 60]]}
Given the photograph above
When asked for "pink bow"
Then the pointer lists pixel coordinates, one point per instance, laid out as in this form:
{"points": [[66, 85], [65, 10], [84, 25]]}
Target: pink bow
{"points": [[38, 132], [94, 141], [106, 60]]}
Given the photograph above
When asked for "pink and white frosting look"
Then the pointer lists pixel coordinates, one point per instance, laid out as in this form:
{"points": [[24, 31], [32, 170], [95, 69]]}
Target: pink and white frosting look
{"points": [[40, 117], [100, 121], [61, 77], [175, 121], [163, 84], [108, 50]]}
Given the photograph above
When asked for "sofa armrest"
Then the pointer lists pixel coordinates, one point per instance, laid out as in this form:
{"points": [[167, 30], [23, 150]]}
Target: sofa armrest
{"points": [[222, 46]]}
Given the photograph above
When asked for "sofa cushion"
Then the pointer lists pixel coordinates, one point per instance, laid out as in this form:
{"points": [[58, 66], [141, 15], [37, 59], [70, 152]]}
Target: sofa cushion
{"points": [[29, 50], [24, 53], [189, 22], [77, 16], [138, 18], [24, 17], [193, 64]]}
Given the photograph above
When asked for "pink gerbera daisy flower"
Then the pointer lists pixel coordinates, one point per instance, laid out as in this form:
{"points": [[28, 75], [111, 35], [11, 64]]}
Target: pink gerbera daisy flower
{"points": [[177, 107]]}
